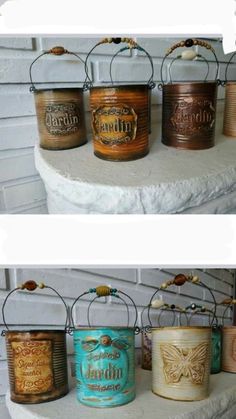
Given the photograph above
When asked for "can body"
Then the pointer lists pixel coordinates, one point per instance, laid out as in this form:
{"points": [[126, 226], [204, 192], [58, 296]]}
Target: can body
{"points": [[120, 121], [147, 351], [229, 349], [181, 362], [105, 366], [60, 116], [189, 112], [216, 349], [37, 365], [229, 125]]}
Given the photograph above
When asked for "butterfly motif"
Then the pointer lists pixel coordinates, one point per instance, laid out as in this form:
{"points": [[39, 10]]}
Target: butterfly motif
{"points": [[90, 344], [189, 363]]}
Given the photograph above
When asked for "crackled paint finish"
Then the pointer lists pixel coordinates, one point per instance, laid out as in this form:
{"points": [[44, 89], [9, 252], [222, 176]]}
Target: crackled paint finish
{"points": [[105, 370]]}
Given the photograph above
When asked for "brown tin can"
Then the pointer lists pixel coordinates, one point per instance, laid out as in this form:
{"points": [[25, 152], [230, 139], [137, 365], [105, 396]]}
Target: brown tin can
{"points": [[120, 115], [189, 109], [37, 360], [60, 113], [229, 349]]}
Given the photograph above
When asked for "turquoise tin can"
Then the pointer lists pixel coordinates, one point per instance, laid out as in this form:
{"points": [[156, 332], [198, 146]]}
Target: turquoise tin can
{"points": [[216, 349], [105, 359]]}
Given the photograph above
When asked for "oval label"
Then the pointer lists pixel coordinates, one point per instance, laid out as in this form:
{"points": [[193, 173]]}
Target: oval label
{"points": [[62, 118], [114, 125]]}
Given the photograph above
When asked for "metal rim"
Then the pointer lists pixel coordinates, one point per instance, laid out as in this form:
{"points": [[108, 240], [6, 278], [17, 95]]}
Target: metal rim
{"points": [[38, 91], [181, 328], [120, 86]]}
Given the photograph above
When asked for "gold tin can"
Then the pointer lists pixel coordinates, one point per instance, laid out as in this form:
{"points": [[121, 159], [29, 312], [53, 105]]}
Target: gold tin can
{"points": [[60, 112], [181, 362], [189, 108], [120, 114], [37, 359]]}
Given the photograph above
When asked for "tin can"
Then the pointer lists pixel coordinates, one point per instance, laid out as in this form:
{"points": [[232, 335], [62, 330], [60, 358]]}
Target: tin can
{"points": [[105, 360], [216, 350], [146, 349], [189, 108], [60, 113], [229, 124], [181, 362], [229, 349], [120, 116], [37, 361]]}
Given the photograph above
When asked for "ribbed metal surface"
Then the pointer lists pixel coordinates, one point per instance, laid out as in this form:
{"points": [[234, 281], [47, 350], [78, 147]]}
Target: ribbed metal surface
{"points": [[134, 98], [229, 126], [45, 365], [60, 116], [229, 349], [181, 362], [189, 110], [105, 366]]}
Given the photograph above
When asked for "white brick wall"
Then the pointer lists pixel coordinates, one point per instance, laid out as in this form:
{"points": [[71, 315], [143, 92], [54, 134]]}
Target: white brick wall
{"points": [[44, 309], [21, 189]]}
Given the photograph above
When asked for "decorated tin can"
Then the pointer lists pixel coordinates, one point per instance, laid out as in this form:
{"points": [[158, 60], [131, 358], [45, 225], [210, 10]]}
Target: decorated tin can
{"points": [[120, 114], [189, 108], [37, 360], [181, 362], [216, 350], [60, 112], [229, 349], [146, 349], [229, 124], [105, 359]]}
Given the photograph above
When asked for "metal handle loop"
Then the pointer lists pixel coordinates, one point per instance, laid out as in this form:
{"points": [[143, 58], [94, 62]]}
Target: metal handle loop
{"points": [[130, 41], [227, 67], [189, 43], [103, 291], [179, 57], [150, 82], [54, 51], [31, 286], [229, 302], [115, 295]]}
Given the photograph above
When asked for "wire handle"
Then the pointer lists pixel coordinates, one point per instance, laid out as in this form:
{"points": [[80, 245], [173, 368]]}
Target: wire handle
{"points": [[189, 43], [198, 309], [180, 57], [226, 69], [229, 302], [150, 82], [32, 286], [179, 280], [58, 50], [131, 43], [104, 291]]}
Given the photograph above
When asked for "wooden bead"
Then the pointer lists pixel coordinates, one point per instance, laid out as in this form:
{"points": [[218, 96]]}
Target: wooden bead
{"points": [[41, 285], [195, 279], [164, 285], [103, 290], [180, 279], [227, 301], [188, 43], [58, 50], [30, 285]]}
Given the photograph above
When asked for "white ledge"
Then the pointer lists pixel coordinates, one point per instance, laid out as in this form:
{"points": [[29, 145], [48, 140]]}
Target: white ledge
{"points": [[166, 181], [220, 404]]}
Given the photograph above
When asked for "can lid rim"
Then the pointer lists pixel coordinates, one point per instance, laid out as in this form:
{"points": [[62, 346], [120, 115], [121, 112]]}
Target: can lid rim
{"points": [[34, 331], [181, 327], [103, 327], [57, 89], [112, 86]]}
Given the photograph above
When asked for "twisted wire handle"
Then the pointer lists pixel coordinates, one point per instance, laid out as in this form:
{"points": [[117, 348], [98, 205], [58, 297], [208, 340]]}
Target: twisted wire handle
{"points": [[189, 43], [53, 51], [31, 286]]}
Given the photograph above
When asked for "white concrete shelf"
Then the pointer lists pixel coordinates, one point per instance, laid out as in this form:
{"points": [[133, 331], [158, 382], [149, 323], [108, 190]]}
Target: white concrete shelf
{"points": [[166, 181], [220, 404]]}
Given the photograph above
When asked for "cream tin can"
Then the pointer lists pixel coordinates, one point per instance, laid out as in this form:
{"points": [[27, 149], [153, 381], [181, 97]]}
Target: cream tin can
{"points": [[181, 361], [229, 349]]}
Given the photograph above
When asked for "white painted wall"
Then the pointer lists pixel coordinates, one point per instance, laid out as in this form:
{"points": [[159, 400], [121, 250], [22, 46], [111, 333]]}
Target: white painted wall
{"points": [[42, 308], [21, 189]]}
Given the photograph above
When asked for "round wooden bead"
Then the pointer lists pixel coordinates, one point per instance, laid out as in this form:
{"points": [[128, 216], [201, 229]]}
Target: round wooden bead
{"points": [[30, 285], [41, 285], [188, 43], [195, 279], [180, 279], [164, 285]]}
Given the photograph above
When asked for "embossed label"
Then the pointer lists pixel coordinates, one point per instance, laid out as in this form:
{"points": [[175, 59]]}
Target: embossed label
{"points": [[114, 125], [190, 116], [33, 366], [105, 368], [180, 362], [62, 119]]}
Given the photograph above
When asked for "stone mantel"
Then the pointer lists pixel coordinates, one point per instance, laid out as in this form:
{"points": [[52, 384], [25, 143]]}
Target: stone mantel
{"points": [[166, 181], [220, 404]]}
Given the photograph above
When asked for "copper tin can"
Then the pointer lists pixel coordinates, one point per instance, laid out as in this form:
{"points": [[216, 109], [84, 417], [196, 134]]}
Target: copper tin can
{"points": [[37, 365], [229, 125], [146, 351], [120, 121], [229, 349], [60, 116], [189, 112]]}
